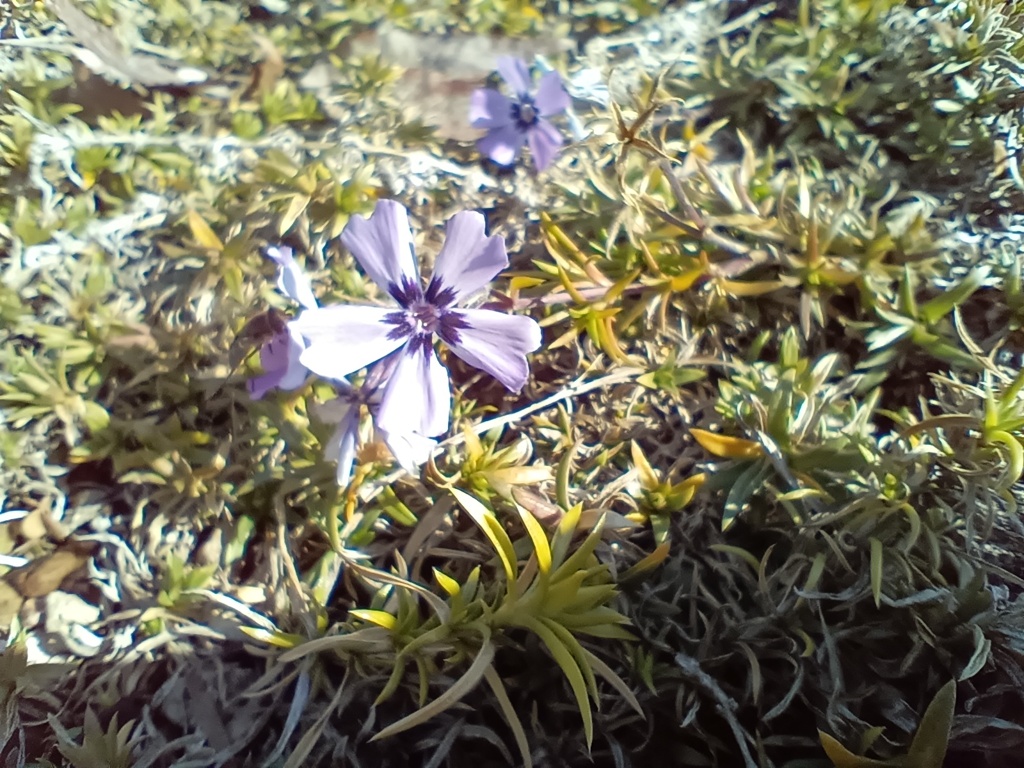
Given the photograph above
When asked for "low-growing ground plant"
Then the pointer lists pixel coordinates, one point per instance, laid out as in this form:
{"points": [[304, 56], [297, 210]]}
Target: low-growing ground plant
{"points": [[506, 383]]}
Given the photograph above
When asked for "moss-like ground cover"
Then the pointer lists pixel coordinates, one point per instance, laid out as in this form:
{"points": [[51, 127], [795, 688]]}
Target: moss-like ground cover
{"points": [[757, 504]]}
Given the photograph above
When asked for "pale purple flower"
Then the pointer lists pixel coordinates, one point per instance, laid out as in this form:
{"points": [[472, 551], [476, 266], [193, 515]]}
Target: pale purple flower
{"points": [[512, 122], [341, 448], [279, 356], [291, 280], [416, 397], [409, 449]]}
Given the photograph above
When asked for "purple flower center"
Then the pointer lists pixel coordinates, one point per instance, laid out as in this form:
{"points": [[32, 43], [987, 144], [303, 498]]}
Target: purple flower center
{"points": [[423, 314], [423, 317], [406, 294], [524, 113]]}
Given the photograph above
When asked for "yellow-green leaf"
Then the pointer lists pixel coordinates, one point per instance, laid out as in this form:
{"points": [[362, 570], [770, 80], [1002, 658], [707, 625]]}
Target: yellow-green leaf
{"points": [[570, 669], [295, 208], [877, 556], [202, 232], [928, 749], [276, 638], [439, 606], [540, 540], [462, 686], [369, 640], [648, 563], [841, 757], [727, 447], [649, 479], [492, 529], [739, 288], [380, 618], [448, 584], [563, 534], [686, 279]]}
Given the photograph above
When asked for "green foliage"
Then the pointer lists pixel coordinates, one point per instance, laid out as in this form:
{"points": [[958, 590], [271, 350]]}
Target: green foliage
{"points": [[99, 748], [928, 749], [561, 594]]}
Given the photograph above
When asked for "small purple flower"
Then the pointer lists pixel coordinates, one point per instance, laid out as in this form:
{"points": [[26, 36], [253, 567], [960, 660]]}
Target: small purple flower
{"points": [[345, 412], [291, 281], [280, 355], [281, 367], [512, 122], [416, 397], [409, 449]]}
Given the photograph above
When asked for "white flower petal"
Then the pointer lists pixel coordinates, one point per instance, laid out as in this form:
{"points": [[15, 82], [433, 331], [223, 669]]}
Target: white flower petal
{"points": [[342, 445], [552, 98], [489, 109], [497, 343], [291, 280], [295, 373], [545, 141], [382, 244], [514, 71], [502, 144], [469, 259], [409, 449], [417, 397], [345, 338]]}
